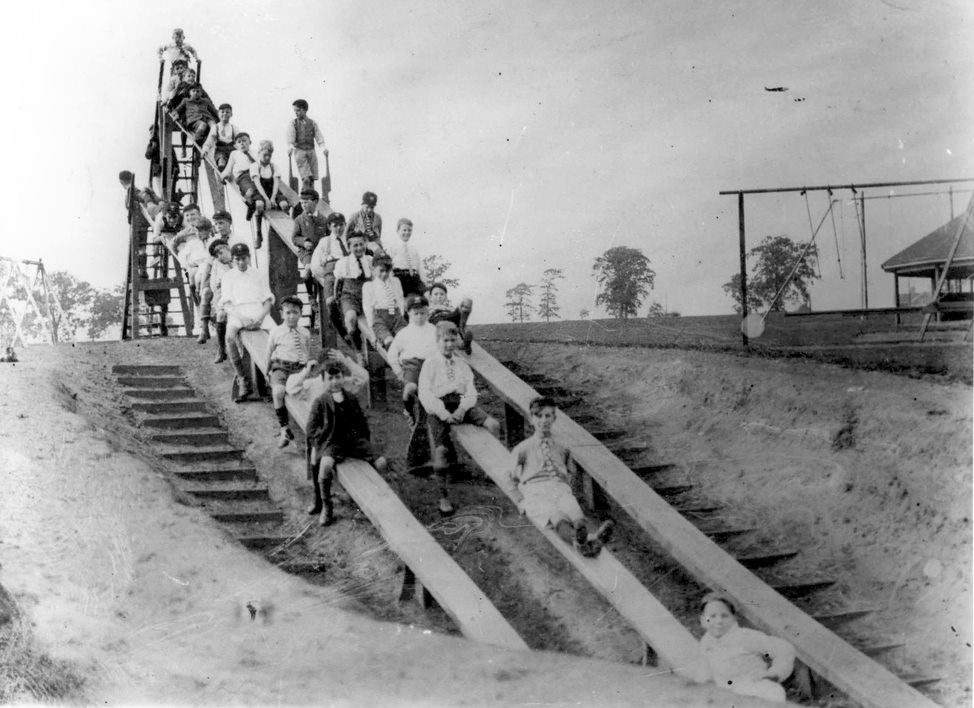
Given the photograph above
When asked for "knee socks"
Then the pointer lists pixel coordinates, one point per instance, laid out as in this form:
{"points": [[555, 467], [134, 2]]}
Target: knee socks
{"points": [[282, 416], [221, 335]]}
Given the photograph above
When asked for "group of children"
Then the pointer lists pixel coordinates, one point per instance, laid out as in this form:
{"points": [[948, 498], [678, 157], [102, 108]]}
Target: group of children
{"points": [[422, 333]]}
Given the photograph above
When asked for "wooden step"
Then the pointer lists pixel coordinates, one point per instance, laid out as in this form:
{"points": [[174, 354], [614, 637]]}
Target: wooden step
{"points": [[145, 370], [699, 507], [219, 452], [647, 470], [606, 434], [269, 516], [178, 422], [259, 541], [161, 394], [765, 559], [878, 649], [218, 473], [834, 619], [152, 381], [917, 680], [303, 566], [554, 391], [672, 490], [196, 438], [718, 535], [228, 492], [169, 407], [796, 589]]}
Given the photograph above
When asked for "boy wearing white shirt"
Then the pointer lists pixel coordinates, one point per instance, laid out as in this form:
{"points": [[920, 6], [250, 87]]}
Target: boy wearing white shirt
{"points": [[407, 265], [414, 343], [247, 300], [383, 302], [351, 274], [219, 143]]}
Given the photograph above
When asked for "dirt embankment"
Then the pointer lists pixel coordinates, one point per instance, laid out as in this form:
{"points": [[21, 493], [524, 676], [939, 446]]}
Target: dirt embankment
{"points": [[143, 599], [869, 474]]}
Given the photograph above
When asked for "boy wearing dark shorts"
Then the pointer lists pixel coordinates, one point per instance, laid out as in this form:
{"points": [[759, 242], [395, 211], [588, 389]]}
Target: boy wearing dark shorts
{"points": [[382, 301], [351, 274], [288, 351], [413, 345], [338, 429], [447, 392]]}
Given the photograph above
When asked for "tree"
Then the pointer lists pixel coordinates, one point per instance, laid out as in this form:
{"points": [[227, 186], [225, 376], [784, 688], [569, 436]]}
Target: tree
{"points": [[435, 268], [583, 313], [656, 310], [548, 305], [518, 305], [75, 297], [106, 311], [774, 259], [624, 279]]}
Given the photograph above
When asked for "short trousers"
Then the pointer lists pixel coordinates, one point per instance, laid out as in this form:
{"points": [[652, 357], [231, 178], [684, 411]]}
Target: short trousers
{"points": [[246, 185], [221, 153], [549, 501], [352, 296], [411, 284], [385, 325], [439, 431], [307, 163], [411, 369], [281, 370], [360, 449]]}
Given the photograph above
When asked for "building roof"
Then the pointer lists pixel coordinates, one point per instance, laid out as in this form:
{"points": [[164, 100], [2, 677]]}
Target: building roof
{"points": [[921, 257]]}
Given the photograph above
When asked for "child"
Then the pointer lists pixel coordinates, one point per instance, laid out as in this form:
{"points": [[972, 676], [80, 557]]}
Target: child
{"points": [[221, 263], [338, 428], [368, 222], [302, 134], [310, 229], [168, 222], [181, 90], [177, 69], [177, 50], [263, 174], [447, 392], [222, 137], [734, 657], [406, 262], [288, 351], [327, 253], [223, 225], [351, 273], [541, 484], [247, 300], [440, 311], [238, 171], [307, 384], [196, 113], [414, 343], [382, 300], [190, 248]]}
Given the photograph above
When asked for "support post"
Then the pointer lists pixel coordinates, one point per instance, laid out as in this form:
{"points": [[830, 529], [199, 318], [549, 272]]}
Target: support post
{"points": [[593, 495], [896, 297], [377, 376], [513, 426], [865, 281], [743, 247], [413, 588]]}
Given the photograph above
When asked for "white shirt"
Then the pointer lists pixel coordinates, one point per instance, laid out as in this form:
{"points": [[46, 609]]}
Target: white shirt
{"points": [[347, 267], [224, 134], [238, 163], [382, 295], [406, 257], [440, 376], [243, 293], [412, 342]]}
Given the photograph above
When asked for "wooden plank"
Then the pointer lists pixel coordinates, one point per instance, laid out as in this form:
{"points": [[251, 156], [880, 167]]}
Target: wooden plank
{"points": [[671, 641], [824, 652], [455, 592]]}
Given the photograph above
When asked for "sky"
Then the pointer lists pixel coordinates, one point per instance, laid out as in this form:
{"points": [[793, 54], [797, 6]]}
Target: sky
{"points": [[521, 136]]}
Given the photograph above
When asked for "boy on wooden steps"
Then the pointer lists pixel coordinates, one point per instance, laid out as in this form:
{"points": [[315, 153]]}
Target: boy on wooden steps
{"points": [[541, 483]]}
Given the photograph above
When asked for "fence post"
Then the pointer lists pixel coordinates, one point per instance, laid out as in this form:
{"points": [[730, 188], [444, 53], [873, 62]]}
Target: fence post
{"points": [[513, 425]]}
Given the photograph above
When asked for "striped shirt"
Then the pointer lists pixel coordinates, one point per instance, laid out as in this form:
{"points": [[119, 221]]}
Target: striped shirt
{"points": [[288, 344]]}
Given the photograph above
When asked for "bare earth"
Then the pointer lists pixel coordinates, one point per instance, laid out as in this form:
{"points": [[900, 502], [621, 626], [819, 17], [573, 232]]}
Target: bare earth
{"points": [[137, 598]]}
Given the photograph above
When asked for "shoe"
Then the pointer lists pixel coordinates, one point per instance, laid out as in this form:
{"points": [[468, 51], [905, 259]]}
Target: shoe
{"points": [[581, 535], [250, 211], [285, 438], [604, 533], [327, 517], [591, 548], [204, 335], [314, 508], [258, 242], [243, 393], [221, 356], [446, 507]]}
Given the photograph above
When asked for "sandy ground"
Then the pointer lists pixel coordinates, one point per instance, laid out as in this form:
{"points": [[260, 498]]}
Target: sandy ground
{"points": [[868, 473], [144, 598]]}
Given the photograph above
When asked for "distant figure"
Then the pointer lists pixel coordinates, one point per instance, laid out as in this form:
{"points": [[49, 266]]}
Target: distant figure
{"points": [[368, 222], [541, 482], [247, 300], [177, 49], [10, 357], [383, 302], [449, 396], [302, 136], [441, 311], [196, 113], [288, 352], [744, 661], [338, 429], [220, 142], [414, 344], [407, 264]]}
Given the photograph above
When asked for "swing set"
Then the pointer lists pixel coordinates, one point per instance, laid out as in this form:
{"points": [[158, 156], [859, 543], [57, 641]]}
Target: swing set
{"points": [[752, 324], [22, 283]]}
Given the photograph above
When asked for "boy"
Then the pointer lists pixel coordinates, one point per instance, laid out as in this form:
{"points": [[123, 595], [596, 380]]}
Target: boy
{"points": [[337, 428], [197, 114], [407, 265], [190, 248], [310, 229], [223, 225], [447, 392], [263, 174], [368, 222], [308, 385], [541, 484], [413, 344], [440, 311], [221, 263], [351, 273], [734, 657], [247, 300], [382, 300], [222, 137], [302, 134], [177, 50], [238, 170], [288, 351]]}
